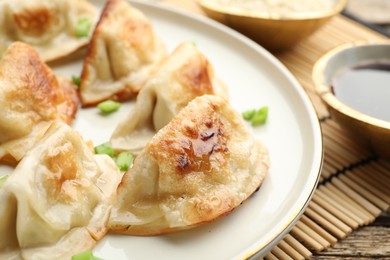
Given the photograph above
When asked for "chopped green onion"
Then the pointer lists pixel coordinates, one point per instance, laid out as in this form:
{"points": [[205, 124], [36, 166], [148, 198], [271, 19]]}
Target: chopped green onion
{"points": [[108, 106], [83, 27], [76, 80], [257, 117], [87, 255], [260, 116], [247, 115], [105, 148], [3, 179], [124, 161]]}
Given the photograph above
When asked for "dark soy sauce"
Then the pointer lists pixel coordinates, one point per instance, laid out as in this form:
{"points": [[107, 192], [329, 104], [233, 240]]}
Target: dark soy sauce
{"points": [[365, 87]]}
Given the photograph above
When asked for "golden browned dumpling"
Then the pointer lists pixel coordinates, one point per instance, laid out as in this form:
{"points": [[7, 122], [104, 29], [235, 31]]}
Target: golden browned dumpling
{"points": [[122, 53], [199, 167], [50, 26], [57, 201], [184, 75], [31, 97]]}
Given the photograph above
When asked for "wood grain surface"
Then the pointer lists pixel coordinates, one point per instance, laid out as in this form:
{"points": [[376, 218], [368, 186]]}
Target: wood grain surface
{"points": [[369, 242]]}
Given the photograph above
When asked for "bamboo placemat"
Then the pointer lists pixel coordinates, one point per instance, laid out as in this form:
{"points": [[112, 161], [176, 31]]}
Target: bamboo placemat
{"points": [[353, 189]]}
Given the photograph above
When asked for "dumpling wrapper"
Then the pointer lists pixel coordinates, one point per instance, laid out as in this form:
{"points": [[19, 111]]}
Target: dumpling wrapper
{"points": [[31, 97], [47, 25], [184, 75], [198, 168], [57, 201], [122, 53]]}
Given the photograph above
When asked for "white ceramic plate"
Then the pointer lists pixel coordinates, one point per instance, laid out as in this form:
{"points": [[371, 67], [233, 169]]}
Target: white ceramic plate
{"points": [[255, 78]]}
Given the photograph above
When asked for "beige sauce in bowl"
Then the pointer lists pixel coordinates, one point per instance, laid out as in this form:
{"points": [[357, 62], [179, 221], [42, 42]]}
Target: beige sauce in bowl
{"points": [[279, 8]]}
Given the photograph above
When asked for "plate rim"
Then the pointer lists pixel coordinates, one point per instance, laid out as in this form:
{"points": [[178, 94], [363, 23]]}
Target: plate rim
{"points": [[261, 248]]}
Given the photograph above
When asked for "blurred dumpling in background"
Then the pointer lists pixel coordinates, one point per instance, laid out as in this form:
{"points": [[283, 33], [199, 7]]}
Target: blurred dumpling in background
{"points": [[199, 167], [52, 27], [31, 97], [184, 75], [123, 51], [57, 201]]}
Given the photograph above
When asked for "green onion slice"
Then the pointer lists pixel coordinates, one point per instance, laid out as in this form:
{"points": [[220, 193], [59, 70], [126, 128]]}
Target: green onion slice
{"points": [[247, 115], [108, 106], [3, 179], [257, 117], [260, 117], [87, 255], [76, 80], [83, 27], [105, 148], [124, 161]]}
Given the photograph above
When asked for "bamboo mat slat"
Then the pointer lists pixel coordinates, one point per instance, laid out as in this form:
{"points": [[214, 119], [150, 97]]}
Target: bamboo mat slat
{"points": [[293, 242], [290, 250], [353, 187]]}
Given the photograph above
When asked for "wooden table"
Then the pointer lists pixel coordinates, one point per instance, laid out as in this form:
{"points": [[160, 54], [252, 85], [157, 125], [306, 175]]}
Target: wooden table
{"points": [[331, 228], [368, 242]]}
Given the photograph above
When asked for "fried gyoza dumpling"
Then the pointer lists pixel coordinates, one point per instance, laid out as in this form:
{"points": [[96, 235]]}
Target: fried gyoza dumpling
{"points": [[199, 167], [184, 75], [31, 97], [57, 201], [48, 25], [122, 53]]}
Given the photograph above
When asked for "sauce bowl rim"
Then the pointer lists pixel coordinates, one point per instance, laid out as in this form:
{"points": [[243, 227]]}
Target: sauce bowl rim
{"points": [[337, 8], [324, 91]]}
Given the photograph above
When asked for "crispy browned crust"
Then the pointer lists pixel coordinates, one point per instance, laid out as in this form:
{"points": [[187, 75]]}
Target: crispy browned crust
{"points": [[66, 184], [31, 80], [35, 21], [38, 25], [184, 75], [133, 34], [197, 74], [205, 163], [69, 103], [32, 90], [192, 148], [92, 48], [35, 83], [8, 160], [92, 51]]}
